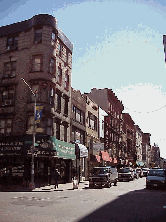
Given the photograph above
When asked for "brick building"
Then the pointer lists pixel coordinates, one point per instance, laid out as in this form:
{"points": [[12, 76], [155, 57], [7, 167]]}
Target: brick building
{"points": [[129, 130], [108, 101], [92, 128], [138, 143], [78, 133], [146, 148], [39, 52]]}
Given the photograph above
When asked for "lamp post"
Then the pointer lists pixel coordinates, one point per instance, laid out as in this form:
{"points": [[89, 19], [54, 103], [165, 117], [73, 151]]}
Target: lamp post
{"points": [[32, 184]]}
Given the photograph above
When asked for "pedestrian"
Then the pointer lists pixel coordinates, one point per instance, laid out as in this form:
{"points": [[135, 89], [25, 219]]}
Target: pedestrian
{"points": [[57, 175]]}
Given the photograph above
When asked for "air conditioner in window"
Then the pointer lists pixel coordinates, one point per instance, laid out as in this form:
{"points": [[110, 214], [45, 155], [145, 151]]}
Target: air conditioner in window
{"points": [[8, 102], [8, 48]]}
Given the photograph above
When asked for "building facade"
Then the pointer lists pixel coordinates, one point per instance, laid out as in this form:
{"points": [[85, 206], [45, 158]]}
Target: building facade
{"points": [[78, 133], [37, 51], [129, 130], [92, 128], [138, 144], [108, 101], [146, 148]]}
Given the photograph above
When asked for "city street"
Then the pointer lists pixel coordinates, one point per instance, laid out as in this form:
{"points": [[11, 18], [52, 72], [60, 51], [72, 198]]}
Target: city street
{"points": [[128, 201]]}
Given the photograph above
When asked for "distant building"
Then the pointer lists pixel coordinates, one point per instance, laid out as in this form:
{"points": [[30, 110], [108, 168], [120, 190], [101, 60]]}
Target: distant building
{"points": [[129, 130], [109, 102], [138, 144], [155, 155], [146, 148]]}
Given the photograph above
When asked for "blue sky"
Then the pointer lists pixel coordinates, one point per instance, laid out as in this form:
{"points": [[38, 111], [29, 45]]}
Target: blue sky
{"points": [[118, 45]]}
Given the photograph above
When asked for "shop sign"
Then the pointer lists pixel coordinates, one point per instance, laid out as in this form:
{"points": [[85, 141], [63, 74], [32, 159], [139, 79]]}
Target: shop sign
{"points": [[11, 144], [42, 152], [64, 150]]}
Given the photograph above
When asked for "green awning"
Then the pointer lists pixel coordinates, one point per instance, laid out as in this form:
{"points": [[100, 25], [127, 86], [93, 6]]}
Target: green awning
{"points": [[64, 150]]}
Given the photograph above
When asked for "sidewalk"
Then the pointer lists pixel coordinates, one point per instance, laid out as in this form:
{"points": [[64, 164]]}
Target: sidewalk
{"points": [[44, 187]]}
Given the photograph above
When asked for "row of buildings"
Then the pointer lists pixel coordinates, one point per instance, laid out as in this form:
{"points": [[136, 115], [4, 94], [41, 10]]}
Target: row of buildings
{"points": [[76, 131]]}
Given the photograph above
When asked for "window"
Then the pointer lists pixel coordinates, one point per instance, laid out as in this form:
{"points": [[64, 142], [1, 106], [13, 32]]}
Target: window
{"points": [[66, 105], [58, 102], [65, 133], [66, 80], [5, 126], [53, 37], [51, 96], [59, 77], [78, 115], [52, 66], [95, 123], [37, 63], [12, 43], [9, 69], [38, 36], [67, 56], [49, 127], [60, 49], [82, 117], [58, 130], [8, 97]]}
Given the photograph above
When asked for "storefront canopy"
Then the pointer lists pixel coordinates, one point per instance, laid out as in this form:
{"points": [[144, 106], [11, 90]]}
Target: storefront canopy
{"points": [[64, 150], [83, 150], [105, 156]]}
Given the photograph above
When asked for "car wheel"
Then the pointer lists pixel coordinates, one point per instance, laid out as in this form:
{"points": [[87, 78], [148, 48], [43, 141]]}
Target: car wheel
{"points": [[91, 186]]}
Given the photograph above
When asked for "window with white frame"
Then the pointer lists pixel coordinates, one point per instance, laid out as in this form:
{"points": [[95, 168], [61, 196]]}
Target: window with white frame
{"points": [[9, 69], [12, 43], [8, 97], [66, 80], [59, 76], [52, 66], [5, 126], [36, 63]]}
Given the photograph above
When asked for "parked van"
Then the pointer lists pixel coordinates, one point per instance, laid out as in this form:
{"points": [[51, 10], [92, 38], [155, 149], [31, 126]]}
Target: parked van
{"points": [[103, 176]]}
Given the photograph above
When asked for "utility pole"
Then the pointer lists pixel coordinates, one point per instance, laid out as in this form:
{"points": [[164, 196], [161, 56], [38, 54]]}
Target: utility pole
{"points": [[32, 184]]}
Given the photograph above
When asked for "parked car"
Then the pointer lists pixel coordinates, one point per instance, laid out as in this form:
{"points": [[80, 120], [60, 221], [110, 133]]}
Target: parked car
{"points": [[103, 177], [145, 171], [156, 178], [139, 170], [136, 174], [125, 174]]}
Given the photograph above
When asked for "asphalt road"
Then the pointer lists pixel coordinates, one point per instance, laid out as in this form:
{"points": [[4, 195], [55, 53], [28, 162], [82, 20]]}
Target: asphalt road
{"points": [[126, 202]]}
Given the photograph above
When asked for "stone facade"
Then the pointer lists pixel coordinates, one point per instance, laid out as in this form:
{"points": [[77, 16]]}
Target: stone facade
{"points": [[138, 142], [36, 51], [35, 56]]}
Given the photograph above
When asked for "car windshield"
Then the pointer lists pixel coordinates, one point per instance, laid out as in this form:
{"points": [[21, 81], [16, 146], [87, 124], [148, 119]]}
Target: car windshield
{"points": [[144, 169], [124, 170], [100, 171], [138, 170], [160, 173]]}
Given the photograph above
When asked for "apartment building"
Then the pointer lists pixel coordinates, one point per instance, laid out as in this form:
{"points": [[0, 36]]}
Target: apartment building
{"points": [[129, 130], [40, 53], [109, 102], [146, 148], [92, 128], [138, 143], [78, 133]]}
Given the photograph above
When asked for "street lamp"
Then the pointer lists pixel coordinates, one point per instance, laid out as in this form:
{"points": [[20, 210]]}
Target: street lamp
{"points": [[32, 184]]}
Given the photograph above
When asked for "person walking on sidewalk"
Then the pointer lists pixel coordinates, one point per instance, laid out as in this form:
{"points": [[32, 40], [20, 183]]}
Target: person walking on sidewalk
{"points": [[57, 175]]}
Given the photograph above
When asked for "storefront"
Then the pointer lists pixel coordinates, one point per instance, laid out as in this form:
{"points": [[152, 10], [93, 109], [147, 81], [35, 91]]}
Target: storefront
{"points": [[81, 162], [65, 153], [49, 153]]}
